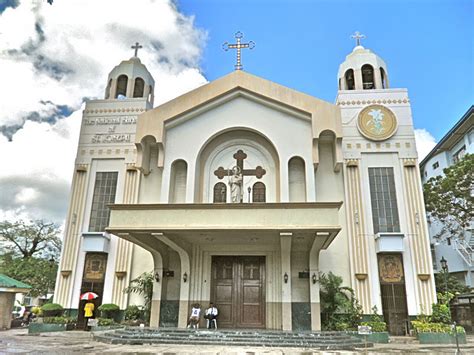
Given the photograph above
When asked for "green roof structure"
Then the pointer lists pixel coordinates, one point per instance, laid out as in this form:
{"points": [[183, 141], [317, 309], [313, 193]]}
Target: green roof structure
{"points": [[7, 284]]}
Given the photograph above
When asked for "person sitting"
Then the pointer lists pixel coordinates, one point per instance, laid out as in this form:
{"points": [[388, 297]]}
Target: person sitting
{"points": [[194, 318], [211, 315]]}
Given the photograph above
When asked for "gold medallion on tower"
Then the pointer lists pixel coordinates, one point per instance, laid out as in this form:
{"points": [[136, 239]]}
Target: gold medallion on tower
{"points": [[377, 122]]}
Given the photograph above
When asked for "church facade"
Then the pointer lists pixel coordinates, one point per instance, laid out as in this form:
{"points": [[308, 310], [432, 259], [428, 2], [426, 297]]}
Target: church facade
{"points": [[241, 192]]}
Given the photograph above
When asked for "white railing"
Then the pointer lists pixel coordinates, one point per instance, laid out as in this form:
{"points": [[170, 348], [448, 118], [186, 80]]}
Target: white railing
{"points": [[464, 249]]}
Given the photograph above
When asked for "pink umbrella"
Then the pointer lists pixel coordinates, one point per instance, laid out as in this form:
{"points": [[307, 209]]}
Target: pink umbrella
{"points": [[89, 296]]}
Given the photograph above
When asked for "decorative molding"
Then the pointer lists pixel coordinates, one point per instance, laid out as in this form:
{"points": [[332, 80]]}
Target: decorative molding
{"points": [[409, 162], [352, 163], [65, 273], [361, 276], [369, 102], [120, 274], [81, 168], [424, 277], [131, 167], [115, 110]]}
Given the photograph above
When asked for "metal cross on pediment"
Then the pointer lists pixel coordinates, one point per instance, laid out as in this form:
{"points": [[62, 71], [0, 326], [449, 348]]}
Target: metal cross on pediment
{"points": [[357, 36], [137, 46], [239, 157], [239, 45]]}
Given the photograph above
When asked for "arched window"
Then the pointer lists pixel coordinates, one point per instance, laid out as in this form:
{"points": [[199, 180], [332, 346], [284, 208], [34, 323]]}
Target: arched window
{"points": [[122, 82], [139, 87], [258, 193], [368, 77], [384, 78], [107, 91], [350, 84], [220, 192]]}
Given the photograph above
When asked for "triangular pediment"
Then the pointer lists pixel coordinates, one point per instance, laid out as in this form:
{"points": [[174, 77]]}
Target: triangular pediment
{"points": [[235, 84]]}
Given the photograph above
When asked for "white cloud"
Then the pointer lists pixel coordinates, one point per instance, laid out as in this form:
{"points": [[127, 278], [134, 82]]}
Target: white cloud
{"points": [[424, 142], [57, 55]]}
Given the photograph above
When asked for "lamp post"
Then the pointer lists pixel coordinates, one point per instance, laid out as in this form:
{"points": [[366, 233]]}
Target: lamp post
{"points": [[444, 266]]}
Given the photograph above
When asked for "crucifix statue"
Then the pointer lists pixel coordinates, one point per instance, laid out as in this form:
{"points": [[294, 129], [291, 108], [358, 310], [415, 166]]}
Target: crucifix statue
{"points": [[357, 36], [137, 46], [236, 175], [226, 46]]}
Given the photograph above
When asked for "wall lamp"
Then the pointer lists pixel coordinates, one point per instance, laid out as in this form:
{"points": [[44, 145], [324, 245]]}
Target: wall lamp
{"points": [[285, 278], [157, 276], [185, 277], [314, 278]]}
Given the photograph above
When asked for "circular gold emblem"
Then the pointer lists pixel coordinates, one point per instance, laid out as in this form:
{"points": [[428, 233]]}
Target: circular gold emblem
{"points": [[377, 122]]}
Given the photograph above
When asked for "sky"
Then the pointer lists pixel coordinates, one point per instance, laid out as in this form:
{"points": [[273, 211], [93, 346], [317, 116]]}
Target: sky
{"points": [[54, 57]]}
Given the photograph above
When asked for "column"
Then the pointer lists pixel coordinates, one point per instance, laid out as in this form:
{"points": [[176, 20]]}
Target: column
{"points": [[157, 282], [184, 278], [314, 287], [72, 236], [285, 243], [358, 246]]}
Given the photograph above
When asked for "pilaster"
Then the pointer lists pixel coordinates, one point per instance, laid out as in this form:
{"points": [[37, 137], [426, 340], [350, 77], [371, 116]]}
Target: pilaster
{"points": [[358, 246], [72, 237], [285, 244]]}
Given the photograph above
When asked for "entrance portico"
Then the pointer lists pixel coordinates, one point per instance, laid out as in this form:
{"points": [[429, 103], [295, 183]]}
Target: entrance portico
{"points": [[184, 239]]}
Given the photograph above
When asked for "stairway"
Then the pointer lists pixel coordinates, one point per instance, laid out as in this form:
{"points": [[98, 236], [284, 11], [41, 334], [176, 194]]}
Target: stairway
{"points": [[254, 338]]}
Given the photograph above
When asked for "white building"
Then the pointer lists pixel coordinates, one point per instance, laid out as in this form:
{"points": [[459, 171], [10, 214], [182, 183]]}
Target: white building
{"points": [[325, 187], [459, 252]]}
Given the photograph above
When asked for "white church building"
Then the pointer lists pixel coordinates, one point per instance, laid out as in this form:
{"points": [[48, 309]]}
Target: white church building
{"points": [[241, 192]]}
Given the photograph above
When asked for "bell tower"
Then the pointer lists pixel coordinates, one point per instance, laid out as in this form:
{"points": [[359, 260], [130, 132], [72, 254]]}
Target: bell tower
{"points": [[384, 200], [130, 79]]}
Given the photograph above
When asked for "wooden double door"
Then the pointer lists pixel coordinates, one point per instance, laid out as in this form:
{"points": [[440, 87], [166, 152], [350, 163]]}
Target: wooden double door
{"points": [[238, 291]]}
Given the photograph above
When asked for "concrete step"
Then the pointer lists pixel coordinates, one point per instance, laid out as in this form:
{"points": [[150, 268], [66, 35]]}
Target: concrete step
{"points": [[319, 340]]}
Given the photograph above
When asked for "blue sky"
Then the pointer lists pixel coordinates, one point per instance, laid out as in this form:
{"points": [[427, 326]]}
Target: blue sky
{"points": [[427, 45], [53, 57]]}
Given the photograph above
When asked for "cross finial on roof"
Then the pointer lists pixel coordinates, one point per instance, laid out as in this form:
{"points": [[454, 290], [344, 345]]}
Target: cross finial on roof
{"points": [[357, 36], [137, 46], [226, 46]]}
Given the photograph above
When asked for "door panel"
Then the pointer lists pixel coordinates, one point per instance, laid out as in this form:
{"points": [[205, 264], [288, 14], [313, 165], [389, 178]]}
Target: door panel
{"points": [[238, 290]]}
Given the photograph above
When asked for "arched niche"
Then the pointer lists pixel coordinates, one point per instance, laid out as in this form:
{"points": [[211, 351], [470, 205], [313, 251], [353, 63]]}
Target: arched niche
{"points": [[259, 192], [147, 154], [219, 151], [368, 79], [178, 180], [139, 87], [220, 193], [296, 180]]}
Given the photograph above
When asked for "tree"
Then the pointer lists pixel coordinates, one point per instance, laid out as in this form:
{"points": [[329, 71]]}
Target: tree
{"points": [[39, 273], [450, 198], [143, 285], [29, 253], [33, 238], [446, 283], [338, 304]]}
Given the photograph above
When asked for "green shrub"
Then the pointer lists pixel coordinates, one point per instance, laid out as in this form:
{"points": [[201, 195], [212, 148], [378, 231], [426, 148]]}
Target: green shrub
{"points": [[52, 310], [103, 322], [109, 310], [441, 314], [376, 321], [134, 313], [431, 327], [60, 320]]}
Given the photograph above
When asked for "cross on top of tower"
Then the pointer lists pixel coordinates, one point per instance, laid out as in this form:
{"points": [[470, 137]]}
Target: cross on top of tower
{"points": [[239, 45], [357, 36], [137, 46]]}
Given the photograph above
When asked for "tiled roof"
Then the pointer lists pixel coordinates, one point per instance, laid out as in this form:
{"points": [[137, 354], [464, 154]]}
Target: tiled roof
{"points": [[8, 282]]}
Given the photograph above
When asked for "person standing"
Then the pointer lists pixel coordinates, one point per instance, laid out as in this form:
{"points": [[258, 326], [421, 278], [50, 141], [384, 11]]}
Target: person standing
{"points": [[88, 313]]}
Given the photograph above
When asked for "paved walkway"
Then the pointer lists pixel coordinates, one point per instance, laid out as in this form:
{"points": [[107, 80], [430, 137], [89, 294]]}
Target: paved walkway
{"points": [[18, 341]]}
